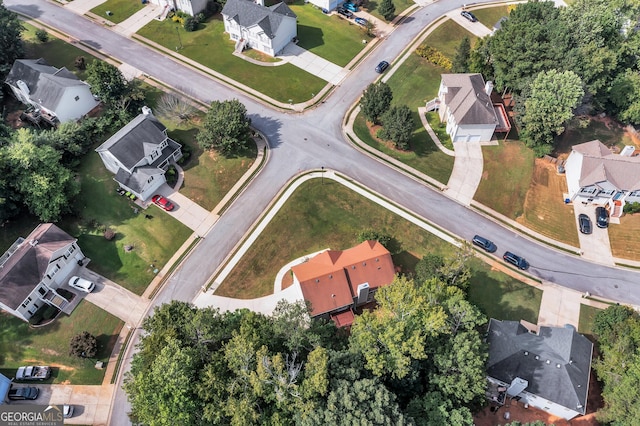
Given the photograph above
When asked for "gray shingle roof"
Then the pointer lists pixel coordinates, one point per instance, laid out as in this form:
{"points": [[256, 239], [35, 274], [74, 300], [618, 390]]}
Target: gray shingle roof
{"points": [[137, 180], [599, 164], [27, 265], [135, 140], [46, 83], [467, 100], [556, 362], [247, 14]]}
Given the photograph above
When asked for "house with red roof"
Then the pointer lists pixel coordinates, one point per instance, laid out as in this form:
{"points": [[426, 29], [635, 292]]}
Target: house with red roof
{"points": [[335, 282]]}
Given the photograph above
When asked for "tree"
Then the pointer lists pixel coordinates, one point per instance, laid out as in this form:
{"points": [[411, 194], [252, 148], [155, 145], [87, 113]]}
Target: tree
{"points": [[625, 96], [83, 345], [387, 9], [429, 267], [375, 101], [42, 35], [107, 82], [435, 409], [373, 235], [226, 127], [175, 108], [462, 56], [607, 323], [10, 40], [552, 97], [397, 125]]}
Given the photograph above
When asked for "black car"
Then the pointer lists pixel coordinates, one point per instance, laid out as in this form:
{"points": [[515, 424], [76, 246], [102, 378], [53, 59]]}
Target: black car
{"points": [[382, 66], [29, 392], [469, 16], [585, 223], [487, 245], [516, 260], [602, 217], [344, 12]]}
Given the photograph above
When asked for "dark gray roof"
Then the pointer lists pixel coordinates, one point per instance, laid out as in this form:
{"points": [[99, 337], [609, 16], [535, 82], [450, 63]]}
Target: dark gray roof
{"points": [[137, 180], [247, 14], [27, 265], [467, 100], [46, 83], [135, 140], [556, 362]]}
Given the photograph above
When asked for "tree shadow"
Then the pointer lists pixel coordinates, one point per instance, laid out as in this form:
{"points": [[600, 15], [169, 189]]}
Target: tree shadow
{"points": [[310, 37], [268, 126]]}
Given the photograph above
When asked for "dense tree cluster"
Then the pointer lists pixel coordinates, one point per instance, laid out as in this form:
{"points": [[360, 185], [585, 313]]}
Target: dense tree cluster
{"points": [[590, 43], [226, 127], [417, 359]]}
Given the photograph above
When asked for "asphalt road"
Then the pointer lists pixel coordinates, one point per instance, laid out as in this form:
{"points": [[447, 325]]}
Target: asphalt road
{"points": [[312, 140]]}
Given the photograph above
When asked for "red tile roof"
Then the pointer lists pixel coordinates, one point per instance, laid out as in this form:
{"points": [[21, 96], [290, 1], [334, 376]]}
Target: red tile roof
{"points": [[343, 319]]}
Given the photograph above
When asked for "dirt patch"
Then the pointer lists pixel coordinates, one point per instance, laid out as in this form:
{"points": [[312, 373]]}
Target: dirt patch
{"points": [[287, 280], [50, 352], [373, 131]]}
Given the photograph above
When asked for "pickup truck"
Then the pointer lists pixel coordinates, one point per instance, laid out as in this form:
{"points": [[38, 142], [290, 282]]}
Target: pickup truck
{"points": [[33, 372]]}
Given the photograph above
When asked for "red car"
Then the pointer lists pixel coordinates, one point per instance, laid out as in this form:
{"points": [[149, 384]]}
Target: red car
{"points": [[163, 203]]}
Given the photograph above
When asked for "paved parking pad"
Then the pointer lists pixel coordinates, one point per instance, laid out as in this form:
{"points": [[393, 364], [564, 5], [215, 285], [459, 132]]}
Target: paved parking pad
{"points": [[596, 246], [188, 212]]}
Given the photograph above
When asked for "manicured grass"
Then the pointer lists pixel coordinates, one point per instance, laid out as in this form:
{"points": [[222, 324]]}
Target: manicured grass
{"points": [[415, 82], [49, 345], [335, 39], [624, 237], [211, 47], [120, 9], [489, 16], [440, 129], [506, 177], [371, 6], [501, 296], [329, 215], [259, 56], [587, 317], [446, 38]]}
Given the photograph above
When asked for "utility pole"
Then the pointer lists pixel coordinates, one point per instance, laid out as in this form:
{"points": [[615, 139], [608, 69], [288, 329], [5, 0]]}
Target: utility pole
{"points": [[322, 176]]}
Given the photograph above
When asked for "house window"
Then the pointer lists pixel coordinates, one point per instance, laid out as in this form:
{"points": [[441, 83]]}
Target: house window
{"points": [[42, 291], [609, 192], [589, 190], [71, 250], [635, 194], [150, 179], [77, 98]]}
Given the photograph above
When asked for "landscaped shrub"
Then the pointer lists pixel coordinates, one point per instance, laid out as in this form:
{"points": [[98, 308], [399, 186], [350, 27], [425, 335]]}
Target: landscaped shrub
{"points": [[211, 9], [434, 56], [36, 318], [80, 63], [50, 312], [109, 234], [191, 24], [186, 154], [631, 208], [42, 35]]}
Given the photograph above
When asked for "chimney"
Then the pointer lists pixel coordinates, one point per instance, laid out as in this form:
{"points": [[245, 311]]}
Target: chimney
{"points": [[363, 293], [146, 110], [488, 87]]}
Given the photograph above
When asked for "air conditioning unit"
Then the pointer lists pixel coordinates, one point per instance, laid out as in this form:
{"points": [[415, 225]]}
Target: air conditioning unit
{"points": [[363, 293]]}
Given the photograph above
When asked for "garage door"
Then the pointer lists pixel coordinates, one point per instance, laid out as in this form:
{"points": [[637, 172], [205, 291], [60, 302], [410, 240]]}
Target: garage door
{"points": [[474, 138]]}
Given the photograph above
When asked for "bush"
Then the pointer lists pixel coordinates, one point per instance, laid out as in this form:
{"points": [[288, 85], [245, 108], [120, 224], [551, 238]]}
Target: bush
{"points": [[631, 208], [211, 9], [36, 318], [186, 154], [50, 312], [42, 35], [109, 234], [191, 24], [434, 56], [80, 63], [84, 345]]}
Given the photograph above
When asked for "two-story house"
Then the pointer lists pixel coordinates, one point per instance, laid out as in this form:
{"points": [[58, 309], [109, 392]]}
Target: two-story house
{"points": [[190, 7], [56, 93], [139, 154], [33, 268], [266, 29]]}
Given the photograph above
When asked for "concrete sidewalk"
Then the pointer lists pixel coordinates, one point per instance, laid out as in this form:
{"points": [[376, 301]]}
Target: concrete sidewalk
{"points": [[138, 20], [83, 6]]}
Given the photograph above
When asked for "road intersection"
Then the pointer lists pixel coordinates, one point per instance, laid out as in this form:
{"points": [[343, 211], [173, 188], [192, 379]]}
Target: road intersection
{"points": [[315, 139]]}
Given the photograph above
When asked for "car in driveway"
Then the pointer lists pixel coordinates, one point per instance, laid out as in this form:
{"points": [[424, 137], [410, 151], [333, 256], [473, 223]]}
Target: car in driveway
{"points": [[349, 6], [585, 223], [344, 12], [81, 284], [162, 202], [602, 217], [515, 260], [361, 21], [382, 66], [29, 392], [482, 242], [469, 16]]}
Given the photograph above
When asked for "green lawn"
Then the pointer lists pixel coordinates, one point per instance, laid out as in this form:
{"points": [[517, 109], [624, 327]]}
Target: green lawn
{"points": [[610, 133], [335, 39], [328, 215], [371, 6], [489, 16], [587, 317], [49, 345], [440, 129], [446, 38], [211, 47], [120, 9]]}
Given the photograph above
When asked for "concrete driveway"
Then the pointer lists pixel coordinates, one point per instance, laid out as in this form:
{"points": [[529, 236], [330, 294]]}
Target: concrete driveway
{"points": [[467, 172], [475, 28], [596, 246], [313, 64], [186, 211]]}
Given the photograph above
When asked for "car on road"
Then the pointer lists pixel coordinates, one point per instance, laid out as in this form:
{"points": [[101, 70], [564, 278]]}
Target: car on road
{"points": [[349, 6], [515, 260], [162, 202], [602, 217], [469, 16], [361, 21], [82, 284], [482, 242], [344, 12], [29, 392], [382, 66], [585, 223]]}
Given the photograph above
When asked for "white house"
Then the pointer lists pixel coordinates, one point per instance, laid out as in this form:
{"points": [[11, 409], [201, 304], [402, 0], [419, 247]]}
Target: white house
{"points": [[596, 175], [191, 7], [57, 94], [464, 103], [266, 29], [139, 154], [34, 268], [549, 370], [5, 386], [326, 4]]}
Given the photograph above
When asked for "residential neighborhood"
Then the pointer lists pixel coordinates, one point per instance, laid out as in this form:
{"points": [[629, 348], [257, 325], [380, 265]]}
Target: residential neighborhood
{"points": [[396, 212]]}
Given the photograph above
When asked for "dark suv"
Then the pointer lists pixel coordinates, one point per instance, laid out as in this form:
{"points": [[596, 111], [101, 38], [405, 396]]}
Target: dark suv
{"points": [[516, 260], [602, 217], [24, 393], [487, 245], [344, 12]]}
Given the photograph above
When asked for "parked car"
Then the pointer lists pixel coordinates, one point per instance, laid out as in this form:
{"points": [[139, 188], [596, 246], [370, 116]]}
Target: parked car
{"points": [[602, 217], [515, 260], [482, 242], [33, 372], [349, 6], [469, 16], [67, 411], [162, 202], [82, 284], [361, 21], [382, 66], [24, 393], [344, 12], [585, 223]]}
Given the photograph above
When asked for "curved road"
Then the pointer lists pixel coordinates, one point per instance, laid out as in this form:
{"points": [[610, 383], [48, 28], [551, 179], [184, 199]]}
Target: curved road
{"points": [[314, 139]]}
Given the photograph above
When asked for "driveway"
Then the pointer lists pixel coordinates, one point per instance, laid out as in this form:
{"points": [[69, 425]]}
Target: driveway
{"points": [[475, 28], [467, 172], [596, 246], [191, 214], [313, 64]]}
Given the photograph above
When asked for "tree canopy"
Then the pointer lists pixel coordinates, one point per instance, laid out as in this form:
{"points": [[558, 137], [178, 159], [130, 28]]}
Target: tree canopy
{"points": [[375, 101], [226, 127], [10, 40], [397, 124]]}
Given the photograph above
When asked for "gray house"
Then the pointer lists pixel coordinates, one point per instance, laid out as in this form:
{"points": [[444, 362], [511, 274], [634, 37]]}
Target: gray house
{"points": [[139, 154], [549, 370]]}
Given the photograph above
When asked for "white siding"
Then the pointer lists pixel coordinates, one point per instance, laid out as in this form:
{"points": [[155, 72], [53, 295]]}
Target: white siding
{"points": [[286, 32], [475, 132], [76, 102], [325, 4], [573, 167], [150, 190], [110, 162]]}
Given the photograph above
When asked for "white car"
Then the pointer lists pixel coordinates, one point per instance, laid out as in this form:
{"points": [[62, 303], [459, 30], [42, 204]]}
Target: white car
{"points": [[67, 411], [81, 284]]}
